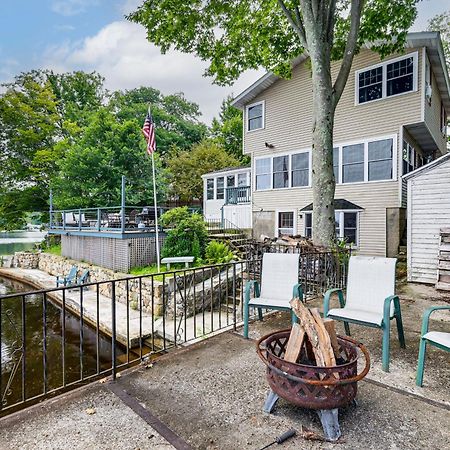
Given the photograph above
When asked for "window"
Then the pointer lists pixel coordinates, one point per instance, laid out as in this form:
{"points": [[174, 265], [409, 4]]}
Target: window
{"points": [[285, 223], [300, 169], [346, 226], [443, 119], [353, 163], [220, 188], [281, 172], [400, 76], [242, 179], [336, 163], [308, 225], [263, 174], [255, 116], [370, 84], [409, 158], [380, 155], [230, 181], [390, 78], [210, 189]]}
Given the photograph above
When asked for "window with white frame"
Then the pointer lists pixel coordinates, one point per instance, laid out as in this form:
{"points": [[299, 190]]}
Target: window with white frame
{"points": [[242, 179], [390, 78], [285, 223], [308, 225], [255, 116], [347, 226], [300, 169], [411, 158], [263, 173], [230, 181], [210, 189], [281, 172], [336, 163], [353, 163], [220, 190], [380, 156]]}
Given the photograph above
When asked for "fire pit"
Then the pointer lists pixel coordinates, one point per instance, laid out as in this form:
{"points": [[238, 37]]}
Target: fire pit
{"points": [[324, 389]]}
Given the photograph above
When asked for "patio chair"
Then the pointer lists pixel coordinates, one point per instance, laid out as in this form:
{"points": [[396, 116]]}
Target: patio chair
{"points": [[370, 299], [279, 283], [84, 277], [69, 279], [439, 339]]}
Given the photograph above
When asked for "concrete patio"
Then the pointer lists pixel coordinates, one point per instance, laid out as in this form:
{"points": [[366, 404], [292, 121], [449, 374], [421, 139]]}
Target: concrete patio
{"points": [[210, 396]]}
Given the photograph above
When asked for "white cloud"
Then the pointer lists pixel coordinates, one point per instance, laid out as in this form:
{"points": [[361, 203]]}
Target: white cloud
{"points": [[121, 53], [71, 7]]}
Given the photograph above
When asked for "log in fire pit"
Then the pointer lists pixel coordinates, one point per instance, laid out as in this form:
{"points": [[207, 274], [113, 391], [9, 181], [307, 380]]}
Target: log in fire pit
{"points": [[324, 389]]}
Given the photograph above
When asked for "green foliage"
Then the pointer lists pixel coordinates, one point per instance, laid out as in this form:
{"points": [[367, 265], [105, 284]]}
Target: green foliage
{"points": [[187, 238], [441, 23], [187, 167], [218, 253], [227, 130], [256, 33], [173, 217]]}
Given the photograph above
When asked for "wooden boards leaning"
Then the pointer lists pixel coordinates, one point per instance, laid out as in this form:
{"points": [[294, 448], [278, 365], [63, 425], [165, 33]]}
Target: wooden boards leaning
{"points": [[295, 343]]}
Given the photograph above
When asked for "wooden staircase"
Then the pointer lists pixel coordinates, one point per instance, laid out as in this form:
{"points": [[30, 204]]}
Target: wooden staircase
{"points": [[443, 268]]}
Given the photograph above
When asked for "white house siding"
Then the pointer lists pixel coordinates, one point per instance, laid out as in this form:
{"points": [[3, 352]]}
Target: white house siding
{"points": [[239, 215], [428, 212]]}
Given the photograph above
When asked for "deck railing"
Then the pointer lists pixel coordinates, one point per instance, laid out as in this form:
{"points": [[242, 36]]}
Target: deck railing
{"points": [[237, 195]]}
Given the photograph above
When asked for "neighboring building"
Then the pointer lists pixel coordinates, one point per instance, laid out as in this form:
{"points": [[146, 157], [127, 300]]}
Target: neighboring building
{"points": [[390, 120], [428, 216], [227, 196]]}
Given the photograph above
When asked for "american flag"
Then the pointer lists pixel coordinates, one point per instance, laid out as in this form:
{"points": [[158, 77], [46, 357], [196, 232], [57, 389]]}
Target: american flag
{"points": [[149, 132]]}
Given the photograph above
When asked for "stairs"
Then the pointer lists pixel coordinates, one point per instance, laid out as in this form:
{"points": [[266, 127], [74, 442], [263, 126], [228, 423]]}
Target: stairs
{"points": [[443, 268], [237, 241]]}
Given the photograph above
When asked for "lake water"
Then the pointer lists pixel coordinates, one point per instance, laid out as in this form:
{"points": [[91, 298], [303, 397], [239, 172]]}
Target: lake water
{"points": [[16, 241], [11, 344]]}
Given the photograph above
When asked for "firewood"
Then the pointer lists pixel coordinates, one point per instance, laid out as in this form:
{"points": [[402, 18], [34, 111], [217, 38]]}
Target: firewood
{"points": [[330, 327], [295, 343], [317, 334]]}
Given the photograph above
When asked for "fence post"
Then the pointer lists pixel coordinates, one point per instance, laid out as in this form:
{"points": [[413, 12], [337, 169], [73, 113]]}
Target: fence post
{"points": [[99, 218], [113, 326]]}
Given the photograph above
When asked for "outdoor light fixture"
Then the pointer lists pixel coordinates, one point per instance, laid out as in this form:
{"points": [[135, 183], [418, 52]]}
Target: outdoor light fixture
{"points": [[269, 145]]}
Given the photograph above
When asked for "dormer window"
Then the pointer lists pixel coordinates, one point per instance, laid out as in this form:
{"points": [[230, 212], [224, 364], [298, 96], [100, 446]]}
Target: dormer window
{"points": [[255, 116], [394, 77]]}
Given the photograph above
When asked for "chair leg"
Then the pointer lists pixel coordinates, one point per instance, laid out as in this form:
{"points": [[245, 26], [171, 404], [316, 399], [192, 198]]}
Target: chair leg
{"points": [[347, 328], [246, 308], [386, 342], [401, 335], [421, 362], [260, 314]]}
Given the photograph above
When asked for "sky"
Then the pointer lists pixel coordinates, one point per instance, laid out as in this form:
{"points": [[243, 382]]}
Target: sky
{"points": [[66, 35]]}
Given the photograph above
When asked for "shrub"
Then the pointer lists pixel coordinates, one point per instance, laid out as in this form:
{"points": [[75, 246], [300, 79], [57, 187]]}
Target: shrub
{"points": [[174, 216], [218, 253]]}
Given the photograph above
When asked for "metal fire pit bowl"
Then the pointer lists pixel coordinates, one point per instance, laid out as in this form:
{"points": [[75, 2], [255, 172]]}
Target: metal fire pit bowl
{"points": [[310, 386]]}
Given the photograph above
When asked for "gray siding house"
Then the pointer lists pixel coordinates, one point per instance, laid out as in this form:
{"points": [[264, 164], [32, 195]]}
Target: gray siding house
{"points": [[390, 121]]}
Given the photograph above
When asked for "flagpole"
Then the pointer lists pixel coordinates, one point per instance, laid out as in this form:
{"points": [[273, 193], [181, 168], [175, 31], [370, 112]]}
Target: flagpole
{"points": [[156, 212]]}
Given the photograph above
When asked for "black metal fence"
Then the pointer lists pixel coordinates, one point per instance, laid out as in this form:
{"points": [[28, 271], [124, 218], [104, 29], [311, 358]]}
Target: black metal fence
{"points": [[56, 339]]}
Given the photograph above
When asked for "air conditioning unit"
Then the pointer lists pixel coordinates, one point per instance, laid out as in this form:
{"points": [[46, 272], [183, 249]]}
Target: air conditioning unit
{"points": [[428, 92]]}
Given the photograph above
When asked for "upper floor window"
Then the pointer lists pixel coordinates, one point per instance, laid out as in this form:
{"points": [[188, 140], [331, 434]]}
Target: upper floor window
{"points": [[220, 188], [255, 116], [336, 163], [353, 163], [281, 172], [380, 156], [411, 158], [210, 189], [390, 78], [263, 173], [300, 169], [242, 179], [230, 181]]}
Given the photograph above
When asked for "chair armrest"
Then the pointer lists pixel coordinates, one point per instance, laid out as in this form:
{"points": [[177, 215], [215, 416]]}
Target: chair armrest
{"points": [[426, 317], [327, 298], [387, 307], [297, 291], [248, 287]]}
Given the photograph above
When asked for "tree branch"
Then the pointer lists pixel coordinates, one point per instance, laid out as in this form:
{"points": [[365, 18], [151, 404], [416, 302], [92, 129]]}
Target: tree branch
{"points": [[330, 21], [341, 80], [298, 26]]}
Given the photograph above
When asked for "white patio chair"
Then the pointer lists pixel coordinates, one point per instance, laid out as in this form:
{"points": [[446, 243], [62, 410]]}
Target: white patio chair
{"points": [[279, 284], [370, 299]]}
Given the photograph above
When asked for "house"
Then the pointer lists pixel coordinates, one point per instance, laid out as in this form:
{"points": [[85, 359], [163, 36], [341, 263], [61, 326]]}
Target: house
{"points": [[390, 121], [429, 223], [227, 197]]}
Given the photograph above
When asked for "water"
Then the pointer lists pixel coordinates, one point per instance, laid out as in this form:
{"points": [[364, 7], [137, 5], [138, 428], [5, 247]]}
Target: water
{"points": [[17, 241], [11, 342]]}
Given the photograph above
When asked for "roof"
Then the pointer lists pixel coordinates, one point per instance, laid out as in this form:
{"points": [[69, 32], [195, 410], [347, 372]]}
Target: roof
{"points": [[427, 167], [429, 39], [339, 204], [227, 169]]}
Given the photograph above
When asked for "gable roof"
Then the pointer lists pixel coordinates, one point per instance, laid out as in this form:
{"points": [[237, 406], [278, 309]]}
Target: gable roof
{"points": [[429, 39], [427, 167]]}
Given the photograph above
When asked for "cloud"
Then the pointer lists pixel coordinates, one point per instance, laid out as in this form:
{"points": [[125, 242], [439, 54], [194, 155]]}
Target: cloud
{"points": [[71, 7], [121, 53]]}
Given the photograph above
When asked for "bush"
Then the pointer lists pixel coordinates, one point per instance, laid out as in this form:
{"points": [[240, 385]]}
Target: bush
{"points": [[188, 235], [218, 253]]}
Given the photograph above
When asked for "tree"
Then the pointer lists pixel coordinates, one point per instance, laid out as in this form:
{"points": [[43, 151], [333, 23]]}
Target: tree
{"points": [[441, 23], [242, 34], [90, 172], [227, 130], [176, 119], [187, 167]]}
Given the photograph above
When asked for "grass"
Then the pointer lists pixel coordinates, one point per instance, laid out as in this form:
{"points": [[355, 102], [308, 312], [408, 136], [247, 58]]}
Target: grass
{"points": [[54, 249], [152, 268]]}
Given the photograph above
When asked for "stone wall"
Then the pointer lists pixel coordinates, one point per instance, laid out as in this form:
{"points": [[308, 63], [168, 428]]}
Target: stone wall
{"points": [[25, 260]]}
